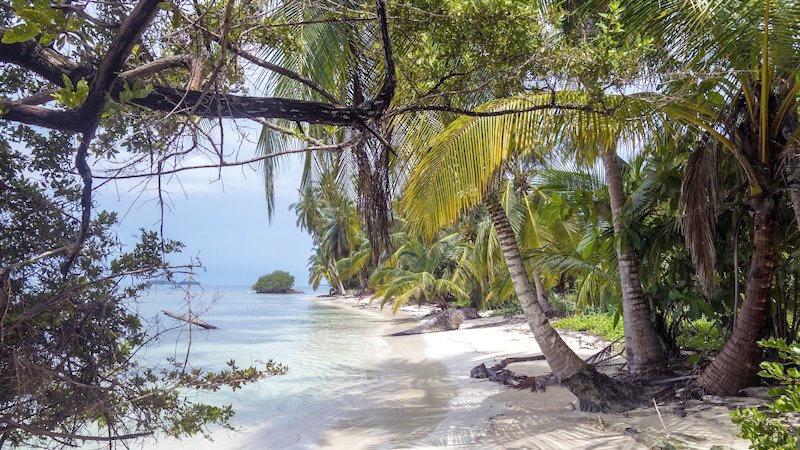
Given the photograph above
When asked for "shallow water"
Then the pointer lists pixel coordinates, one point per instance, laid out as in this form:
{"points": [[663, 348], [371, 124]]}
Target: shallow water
{"points": [[346, 384]]}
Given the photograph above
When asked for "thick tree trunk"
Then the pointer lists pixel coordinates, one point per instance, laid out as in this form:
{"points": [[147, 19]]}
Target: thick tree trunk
{"points": [[595, 391], [643, 350], [540, 297], [736, 365]]}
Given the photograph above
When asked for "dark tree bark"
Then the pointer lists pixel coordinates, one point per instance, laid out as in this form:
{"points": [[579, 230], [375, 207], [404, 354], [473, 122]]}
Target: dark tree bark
{"points": [[736, 365], [643, 350]]}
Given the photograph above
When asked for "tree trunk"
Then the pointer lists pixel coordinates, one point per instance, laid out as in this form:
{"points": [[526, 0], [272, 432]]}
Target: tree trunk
{"points": [[736, 365], [445, 320], [643, 350], [595, 391], [540, 297], [335, 274]]}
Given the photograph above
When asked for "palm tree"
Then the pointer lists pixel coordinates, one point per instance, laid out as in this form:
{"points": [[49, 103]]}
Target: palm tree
{"points": [[643, 349], [460, 170], [420, 272], [463, 160], [744, 56]]}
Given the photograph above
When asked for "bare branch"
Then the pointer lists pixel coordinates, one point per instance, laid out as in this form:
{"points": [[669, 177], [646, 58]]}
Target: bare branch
{"points": [[332, 148], [384, 98], [42, 432], [57, 251], [81, 11], [39, 98], [154, 67]]}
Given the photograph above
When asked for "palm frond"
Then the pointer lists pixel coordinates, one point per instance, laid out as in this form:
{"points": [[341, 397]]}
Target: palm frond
{"points": [[697, 217], [461, 163]]}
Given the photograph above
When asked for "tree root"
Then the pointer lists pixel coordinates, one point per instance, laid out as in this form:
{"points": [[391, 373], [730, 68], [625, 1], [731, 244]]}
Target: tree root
{"points": [[596, 392], [498, 373]]}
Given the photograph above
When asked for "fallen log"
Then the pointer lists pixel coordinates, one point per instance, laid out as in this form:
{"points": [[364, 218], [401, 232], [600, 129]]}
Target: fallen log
{"points": [[449, 319], [189, 319]]}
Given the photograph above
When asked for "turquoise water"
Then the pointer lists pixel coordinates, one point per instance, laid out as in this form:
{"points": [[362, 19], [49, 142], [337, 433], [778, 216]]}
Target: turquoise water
{"points": [[328, 350]]}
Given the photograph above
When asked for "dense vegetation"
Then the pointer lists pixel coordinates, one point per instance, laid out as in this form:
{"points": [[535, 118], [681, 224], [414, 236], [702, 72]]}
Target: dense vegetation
{"points": [[631, 157], [277, 281]]}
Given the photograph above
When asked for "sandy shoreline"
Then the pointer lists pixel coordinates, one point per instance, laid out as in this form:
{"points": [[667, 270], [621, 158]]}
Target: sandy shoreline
{"points": [[483, 414]]}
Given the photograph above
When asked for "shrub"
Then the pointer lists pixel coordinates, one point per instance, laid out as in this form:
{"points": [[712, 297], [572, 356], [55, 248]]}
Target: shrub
{"points": [[770, 427], [601, 325], [275, 282]]}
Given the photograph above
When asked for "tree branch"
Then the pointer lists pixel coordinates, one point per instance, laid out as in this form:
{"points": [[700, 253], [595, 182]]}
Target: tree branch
{"points": [[81, 11], [44, 61], [86, 200], [42, 432], [384, 97], [316, 148], [106, 74], [154, 67], [57, 251]]}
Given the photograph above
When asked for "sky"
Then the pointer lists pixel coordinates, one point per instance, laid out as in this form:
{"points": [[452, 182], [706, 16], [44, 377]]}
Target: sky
{"points": [[222, 221]]}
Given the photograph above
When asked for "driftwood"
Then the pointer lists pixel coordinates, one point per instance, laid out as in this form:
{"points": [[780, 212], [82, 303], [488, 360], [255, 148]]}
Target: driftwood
{"points": [[189, 319], [498, 373], [449, 319]]}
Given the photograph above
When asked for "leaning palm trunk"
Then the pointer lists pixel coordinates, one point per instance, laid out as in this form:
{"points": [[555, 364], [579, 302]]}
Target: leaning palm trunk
{"points": [[335, 273], [643, 350], [540, 297], [595, 391], [735, 366]]}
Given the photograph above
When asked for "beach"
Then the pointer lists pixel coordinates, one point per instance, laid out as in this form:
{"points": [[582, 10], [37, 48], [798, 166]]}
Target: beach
{"points": [[484, 414], [351, 385]]}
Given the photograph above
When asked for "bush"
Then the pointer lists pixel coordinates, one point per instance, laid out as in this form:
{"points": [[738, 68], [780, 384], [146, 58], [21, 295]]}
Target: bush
{"points": [[600, 325], [275, 282], [770, 427]]}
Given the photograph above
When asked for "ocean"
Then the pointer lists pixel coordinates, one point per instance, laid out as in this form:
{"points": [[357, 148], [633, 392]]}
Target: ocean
{"points": [[344, 385]]}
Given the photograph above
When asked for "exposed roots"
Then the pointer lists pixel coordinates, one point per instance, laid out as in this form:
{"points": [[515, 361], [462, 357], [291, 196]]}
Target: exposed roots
{"points": [[598, 392]]}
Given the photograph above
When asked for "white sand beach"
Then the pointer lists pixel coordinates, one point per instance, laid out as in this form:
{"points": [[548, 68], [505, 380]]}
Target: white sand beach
{"points": [[484, 414], [416, 392]]}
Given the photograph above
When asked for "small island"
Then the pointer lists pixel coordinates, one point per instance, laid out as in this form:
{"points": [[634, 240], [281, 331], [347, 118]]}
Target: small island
{"points": [[277, 282]]}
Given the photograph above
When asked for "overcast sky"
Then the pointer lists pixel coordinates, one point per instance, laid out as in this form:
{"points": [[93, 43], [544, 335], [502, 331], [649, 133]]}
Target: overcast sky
{"points": [[223, 222]]}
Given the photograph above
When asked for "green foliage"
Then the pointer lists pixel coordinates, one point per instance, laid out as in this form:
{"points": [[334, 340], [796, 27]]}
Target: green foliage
{"points": [[420, 272], [277, 281], [138, 90], [72, 96], [602, 325], [771, 427], [701, 335], [70, 342], [39, 18]]}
